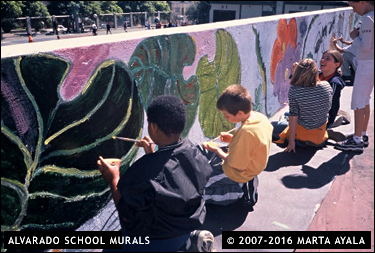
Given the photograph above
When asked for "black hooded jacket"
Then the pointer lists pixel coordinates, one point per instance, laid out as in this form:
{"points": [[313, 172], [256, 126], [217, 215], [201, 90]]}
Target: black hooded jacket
{"points": [[163, 192]]}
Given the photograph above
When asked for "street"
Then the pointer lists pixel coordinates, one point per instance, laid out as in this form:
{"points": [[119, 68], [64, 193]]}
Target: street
{"points": [[21, 38]]}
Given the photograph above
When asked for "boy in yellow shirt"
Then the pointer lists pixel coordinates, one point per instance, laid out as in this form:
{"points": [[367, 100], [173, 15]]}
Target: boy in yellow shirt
{"points": [[249, 146]]}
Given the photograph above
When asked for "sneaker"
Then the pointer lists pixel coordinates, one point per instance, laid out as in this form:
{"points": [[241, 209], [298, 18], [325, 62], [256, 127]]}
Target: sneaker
{"points": [[201, 241], [364, 139], [349, 145]]}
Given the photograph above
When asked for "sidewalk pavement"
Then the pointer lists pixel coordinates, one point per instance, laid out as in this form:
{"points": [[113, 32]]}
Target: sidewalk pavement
{"points": [[310, 190], [349, 204]]}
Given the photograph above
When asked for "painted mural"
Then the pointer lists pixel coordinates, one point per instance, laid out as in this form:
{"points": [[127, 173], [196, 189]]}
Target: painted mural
{"points": [[60, 109]]}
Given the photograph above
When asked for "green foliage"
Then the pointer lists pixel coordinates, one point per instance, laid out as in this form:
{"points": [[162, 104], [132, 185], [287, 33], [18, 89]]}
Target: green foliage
{"points": [[144, 6], [84, 8], [14, 9], [214, 77], [199, 10], [11, 9], [256, 104], [89, 8], [157, 64], [110, 7], [34, 9], [64, 7], [49, 146]]}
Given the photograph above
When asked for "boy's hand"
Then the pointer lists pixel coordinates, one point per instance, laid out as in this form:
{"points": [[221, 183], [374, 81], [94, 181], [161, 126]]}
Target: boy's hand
{"points": [[226, 137], [147, 144], [110, 171], [211, 146]]}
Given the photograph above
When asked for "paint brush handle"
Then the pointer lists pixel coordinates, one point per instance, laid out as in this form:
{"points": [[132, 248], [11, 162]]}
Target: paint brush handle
{"points": [[128, 139], [215, 139]]}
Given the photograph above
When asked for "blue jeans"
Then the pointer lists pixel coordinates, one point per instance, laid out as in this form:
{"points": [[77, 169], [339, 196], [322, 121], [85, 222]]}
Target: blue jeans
{"points": [[278, 127]]}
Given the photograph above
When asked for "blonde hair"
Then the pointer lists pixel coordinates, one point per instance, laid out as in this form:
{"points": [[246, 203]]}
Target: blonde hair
{"points": [[306, 74]]}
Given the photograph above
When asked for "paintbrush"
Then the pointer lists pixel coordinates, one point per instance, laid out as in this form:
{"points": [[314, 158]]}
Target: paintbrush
{"points": [[128, 139], [220, 135]]}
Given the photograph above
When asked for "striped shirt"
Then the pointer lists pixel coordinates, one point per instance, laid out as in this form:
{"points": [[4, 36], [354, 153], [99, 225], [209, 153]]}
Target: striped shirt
{"points": [[311, 105]]}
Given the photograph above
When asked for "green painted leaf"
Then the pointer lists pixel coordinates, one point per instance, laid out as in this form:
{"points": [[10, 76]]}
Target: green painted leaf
{"points": [[214, 77], [158, 63], [50, 147]]}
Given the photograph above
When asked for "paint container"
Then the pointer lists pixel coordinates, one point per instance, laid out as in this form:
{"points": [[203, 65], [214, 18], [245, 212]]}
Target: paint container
{"points": [[111, 161]]}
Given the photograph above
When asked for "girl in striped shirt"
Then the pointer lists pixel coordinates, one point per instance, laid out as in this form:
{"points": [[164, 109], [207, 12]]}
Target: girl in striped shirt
{"points": [[309, 103]]}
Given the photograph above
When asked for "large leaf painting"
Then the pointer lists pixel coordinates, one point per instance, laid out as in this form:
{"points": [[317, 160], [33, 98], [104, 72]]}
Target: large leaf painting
{"points": [[49, 147], [214, 77], [158, 63]]}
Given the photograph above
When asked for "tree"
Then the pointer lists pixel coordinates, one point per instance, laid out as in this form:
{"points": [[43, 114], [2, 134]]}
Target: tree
{"points": [[144, 6], [111, 7], [63, 7], [89, 8], [35, 9], [199, 10], [81, 8], [9, 11]]}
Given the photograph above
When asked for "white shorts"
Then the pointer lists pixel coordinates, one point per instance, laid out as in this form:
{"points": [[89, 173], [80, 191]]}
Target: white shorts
{"points": [[363, 84]]}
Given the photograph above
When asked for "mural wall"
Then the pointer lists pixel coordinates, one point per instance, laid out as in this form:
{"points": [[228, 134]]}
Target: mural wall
{"points": [[60, 108]]}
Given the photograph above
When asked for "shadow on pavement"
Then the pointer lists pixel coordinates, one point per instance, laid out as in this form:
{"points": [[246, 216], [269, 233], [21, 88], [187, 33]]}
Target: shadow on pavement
{"points": [[315, 178], [224, 218], [285, 159]]}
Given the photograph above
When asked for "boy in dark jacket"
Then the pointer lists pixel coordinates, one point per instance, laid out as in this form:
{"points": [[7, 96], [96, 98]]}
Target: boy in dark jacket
{"points": [[161, 196]]}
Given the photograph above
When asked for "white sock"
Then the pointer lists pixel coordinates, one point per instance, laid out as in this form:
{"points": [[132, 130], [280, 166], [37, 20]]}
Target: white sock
{"points": [[357, 139], [364, 133]]}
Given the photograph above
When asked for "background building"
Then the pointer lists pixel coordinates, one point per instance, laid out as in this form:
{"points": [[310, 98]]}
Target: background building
{"points": [[229, 10]]}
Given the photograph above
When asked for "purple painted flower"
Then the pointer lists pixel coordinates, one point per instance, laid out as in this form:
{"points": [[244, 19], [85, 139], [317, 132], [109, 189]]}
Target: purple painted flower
{"points": [[303, 27], [283, 70]]}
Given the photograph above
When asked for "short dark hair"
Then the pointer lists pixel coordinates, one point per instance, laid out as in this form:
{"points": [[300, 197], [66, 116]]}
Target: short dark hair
{"points": [[234, 98], [168, 112]]}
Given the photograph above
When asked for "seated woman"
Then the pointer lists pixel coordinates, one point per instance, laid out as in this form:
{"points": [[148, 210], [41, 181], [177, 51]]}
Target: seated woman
{"points": [[330, 64], [309, 103]]}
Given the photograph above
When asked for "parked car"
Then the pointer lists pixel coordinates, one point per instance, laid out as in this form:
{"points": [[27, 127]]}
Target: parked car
{"points": [[60, 28]]}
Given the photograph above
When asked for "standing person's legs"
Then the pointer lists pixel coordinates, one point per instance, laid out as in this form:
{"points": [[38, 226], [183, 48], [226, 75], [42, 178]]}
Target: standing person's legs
{"points": [[362, 95], [359, 121], [367, 118], [362, 89]]}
